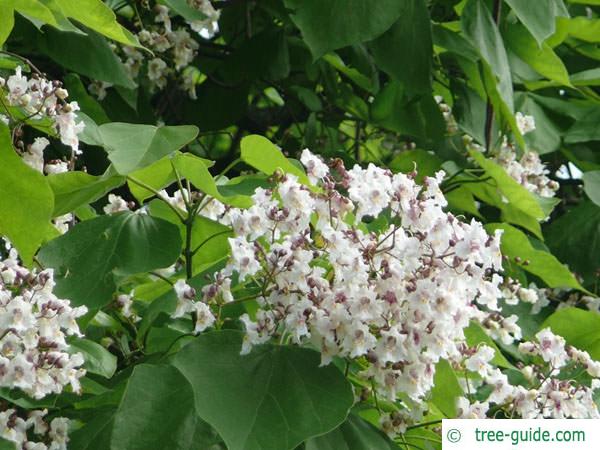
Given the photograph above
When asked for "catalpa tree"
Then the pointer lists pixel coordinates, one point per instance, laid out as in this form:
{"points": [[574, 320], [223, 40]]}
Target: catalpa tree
{"points": [[285, 224]]}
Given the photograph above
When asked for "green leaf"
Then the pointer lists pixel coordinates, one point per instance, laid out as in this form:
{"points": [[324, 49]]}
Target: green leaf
{"points": [[585, 129], [207, 235], [480, 29], [272, 399], [354, 434], [544, 265], [74, 189], [89, 256], [157, 175], [575, 239], [446, 388], [88, 55], [417, 117], [98, 360], [262, 154], [358, 78], [579, 328], [98, 16], [405, 50], [27, 201], [32, 9], [517, 195], [546, 137], [195, 170], [7, 445], [539, 56], [131, 146], [154, 399], [425, 163], [183, 8], [330, 25], [7, 22], [538, 16], [591, 185], [475, 335]]}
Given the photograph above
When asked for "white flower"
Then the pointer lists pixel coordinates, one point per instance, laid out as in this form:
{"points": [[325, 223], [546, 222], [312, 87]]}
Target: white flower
{"points": [[552, 348], [316, 169], [115, 204], [479, 362], [525, 124], [157, 71], [34, 157], [466, 410], [204, 317]]}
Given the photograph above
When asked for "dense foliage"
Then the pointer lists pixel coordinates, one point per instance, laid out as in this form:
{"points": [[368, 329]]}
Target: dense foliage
{"points": [[295, 224]]}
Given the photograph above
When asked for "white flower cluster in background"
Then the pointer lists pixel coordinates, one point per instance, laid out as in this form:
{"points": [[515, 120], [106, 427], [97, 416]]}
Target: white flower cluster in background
{"points": [[529, 170], [174, 49], [399, 295], [34, 325], [39, 98], [16, 429], [550, 395]]}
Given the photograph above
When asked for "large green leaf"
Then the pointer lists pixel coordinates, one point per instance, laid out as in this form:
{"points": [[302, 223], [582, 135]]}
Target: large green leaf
{"points": [[579, 328], [539, 56], [418, 117], [96, 15], [514, 243], [405, 50], [575, 239], [354, 434], [480, 29], [74, 189], [27, 201], [262, 154], [330, 25], [538, 16], [32, 9], [155, 412], [88, 55], [90, 255], [272, 399], [131, 146]]}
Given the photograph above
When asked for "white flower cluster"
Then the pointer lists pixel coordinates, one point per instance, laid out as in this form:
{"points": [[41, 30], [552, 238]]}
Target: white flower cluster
{"points": [[34, 324], [40, 98], [551, 395], [186, 304], [18, 430], [34, 158], [174, 49], [398, 294], [529, 170]]}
